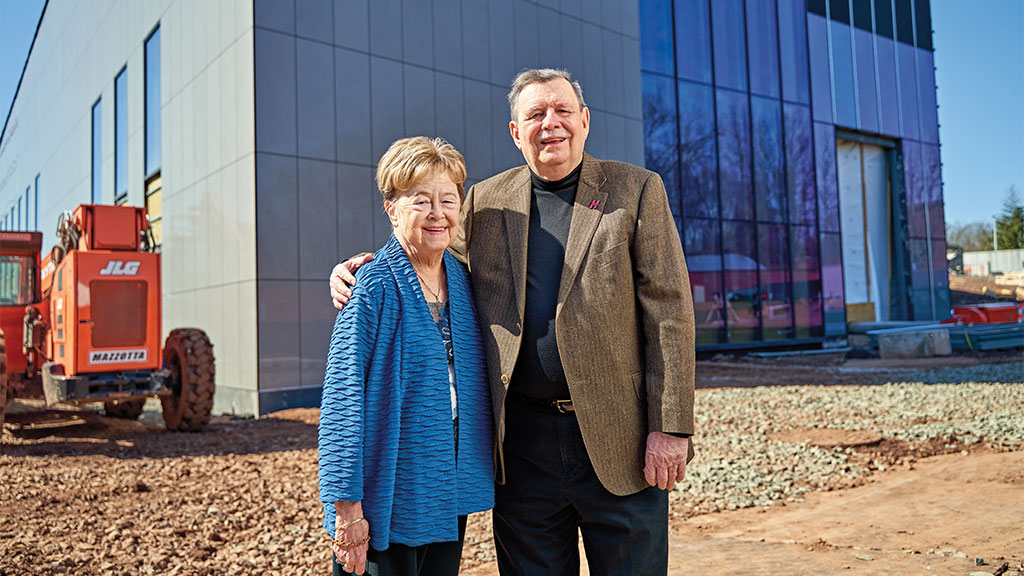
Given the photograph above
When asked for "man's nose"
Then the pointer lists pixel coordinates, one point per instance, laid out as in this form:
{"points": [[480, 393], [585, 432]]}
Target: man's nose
{"points": [[551, 120]]}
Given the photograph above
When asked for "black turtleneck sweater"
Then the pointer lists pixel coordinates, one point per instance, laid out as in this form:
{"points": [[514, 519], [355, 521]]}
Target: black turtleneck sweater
{"points": [[539, 371]]}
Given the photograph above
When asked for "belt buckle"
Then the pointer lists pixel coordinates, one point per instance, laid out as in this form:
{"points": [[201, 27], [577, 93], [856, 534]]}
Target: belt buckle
{"points": [[564, 406]]}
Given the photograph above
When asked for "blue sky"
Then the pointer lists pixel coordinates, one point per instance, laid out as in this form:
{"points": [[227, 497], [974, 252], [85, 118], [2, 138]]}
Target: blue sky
{"points": [[979, 60]]}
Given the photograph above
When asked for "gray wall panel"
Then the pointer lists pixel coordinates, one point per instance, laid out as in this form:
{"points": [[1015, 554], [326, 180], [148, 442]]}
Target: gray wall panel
{"points": [[450, 121], [527, 36], [277, 248], [318, 230], [476, 53], [352, 105], [447, 43], [386, 28], [386, 93], [417, 32], [275, 92], [315, 98], [314, 19], [352, 24], [275, 14], [419, 101]]}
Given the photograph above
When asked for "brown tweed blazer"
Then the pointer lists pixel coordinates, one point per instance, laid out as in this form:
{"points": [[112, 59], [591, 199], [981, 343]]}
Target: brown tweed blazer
{"points": [[624, 317]]}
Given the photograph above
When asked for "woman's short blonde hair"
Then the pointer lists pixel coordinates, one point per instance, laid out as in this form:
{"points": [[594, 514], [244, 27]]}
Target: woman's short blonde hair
{"points": [[409, 160]]}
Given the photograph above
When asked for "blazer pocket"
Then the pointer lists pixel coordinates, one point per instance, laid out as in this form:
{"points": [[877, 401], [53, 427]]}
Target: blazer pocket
{"points": [[609, 255], [638, 384]]}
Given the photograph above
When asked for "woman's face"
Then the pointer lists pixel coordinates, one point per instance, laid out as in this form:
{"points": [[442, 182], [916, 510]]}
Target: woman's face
{"points": [[426, 217]]}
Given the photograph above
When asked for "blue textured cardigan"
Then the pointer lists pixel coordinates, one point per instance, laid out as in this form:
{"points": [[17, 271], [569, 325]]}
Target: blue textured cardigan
{"points": [[386, 418]]}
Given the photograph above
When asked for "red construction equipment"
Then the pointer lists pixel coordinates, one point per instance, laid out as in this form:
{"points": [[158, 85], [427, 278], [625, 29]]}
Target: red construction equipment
{"points": [[88, 320], [989, 313]]}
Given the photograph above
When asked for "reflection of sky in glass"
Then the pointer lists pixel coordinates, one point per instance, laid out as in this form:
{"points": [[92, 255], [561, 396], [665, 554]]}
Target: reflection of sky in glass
{"points": [[768, 175], [693, 40], [656, 41], [734, 155], [762, 47], [915, 188], [828, 185], [793, 50], [821, 88], [741, 281], [799, 164], [660, 146], [866, 98], [701, 239], [842, 60], [926, 86], [908, 90], [697, 150], [890, 112], [773, 257], [932, 194], [730, 44]]}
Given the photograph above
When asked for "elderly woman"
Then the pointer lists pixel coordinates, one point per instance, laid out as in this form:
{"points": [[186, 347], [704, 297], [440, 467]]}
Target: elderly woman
{"points": [[405, 423]]}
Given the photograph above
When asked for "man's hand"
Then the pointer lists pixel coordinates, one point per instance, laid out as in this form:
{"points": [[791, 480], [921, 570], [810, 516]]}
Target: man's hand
{"points": [[665, 462], [343, 276]]}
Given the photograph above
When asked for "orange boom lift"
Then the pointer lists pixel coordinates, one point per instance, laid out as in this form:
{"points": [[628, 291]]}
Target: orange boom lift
{"points": [[88, 320]]}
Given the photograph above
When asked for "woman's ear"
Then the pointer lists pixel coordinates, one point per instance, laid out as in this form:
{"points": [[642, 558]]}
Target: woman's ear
{"points": [[390, 210]]}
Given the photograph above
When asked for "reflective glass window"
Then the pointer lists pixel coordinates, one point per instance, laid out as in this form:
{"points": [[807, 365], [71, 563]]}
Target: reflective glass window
{"points": [[734, 156], [832, 284], [867, 100], [762, 47], [914, 179], [769, 190], [816, 7], [661, 149], [693, 40], [883, 18], [730, 48], [940, 280], [932, 182], [793, 51], [152, 100], [698, 172], [120, 134], [908, 90], [889, 114], [821, 83], [926, 91], [799, 164], [826, 177], [97, 152], [702, 238], [839, 10], [773, 260], [923, 20], [920, 280], [842, 62], [806, 282], [35, 206], [904, 22], [28, 208], [656, 40], [741, 286], [862, 14]]}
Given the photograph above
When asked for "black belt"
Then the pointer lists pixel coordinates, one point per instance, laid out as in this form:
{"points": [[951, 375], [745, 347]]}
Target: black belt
{"points": [[563, 406]]}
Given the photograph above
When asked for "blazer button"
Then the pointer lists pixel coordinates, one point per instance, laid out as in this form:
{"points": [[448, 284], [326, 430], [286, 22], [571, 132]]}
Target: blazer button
{"points": [[504, 378]]}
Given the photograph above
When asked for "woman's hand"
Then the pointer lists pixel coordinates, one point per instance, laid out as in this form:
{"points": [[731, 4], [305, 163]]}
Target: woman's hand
{"points": [[351, 536]]}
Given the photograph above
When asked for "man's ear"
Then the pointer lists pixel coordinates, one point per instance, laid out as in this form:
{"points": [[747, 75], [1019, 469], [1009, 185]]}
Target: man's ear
{"points": [[514, 130], [586, 119]]}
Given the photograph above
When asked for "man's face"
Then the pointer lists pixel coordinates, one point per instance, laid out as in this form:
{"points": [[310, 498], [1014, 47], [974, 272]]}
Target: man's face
{"points": [[550, 128]]}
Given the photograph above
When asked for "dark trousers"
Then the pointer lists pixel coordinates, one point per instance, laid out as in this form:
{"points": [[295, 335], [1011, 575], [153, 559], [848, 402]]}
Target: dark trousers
{"points": [[551, 489], [434, 559]]}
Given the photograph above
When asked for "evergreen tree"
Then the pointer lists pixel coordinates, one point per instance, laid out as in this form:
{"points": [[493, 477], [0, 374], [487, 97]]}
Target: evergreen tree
{"points": [[1010, 224]]}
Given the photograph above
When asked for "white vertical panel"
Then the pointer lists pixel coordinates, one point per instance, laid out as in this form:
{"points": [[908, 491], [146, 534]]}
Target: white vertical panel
{"points": [[851, 208], [879, 223]]}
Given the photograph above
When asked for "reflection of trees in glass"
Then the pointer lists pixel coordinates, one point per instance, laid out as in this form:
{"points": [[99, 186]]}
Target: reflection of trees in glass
{"points": [[799, 164], [734, 156], [767, 134], [827, 179], [660, 144]]}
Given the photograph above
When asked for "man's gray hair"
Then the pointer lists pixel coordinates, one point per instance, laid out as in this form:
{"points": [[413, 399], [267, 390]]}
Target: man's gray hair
{"points": [[535, 75]]}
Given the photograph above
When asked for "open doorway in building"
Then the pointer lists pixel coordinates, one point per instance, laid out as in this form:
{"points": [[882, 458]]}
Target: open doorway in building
{"points": [[865, 208]]}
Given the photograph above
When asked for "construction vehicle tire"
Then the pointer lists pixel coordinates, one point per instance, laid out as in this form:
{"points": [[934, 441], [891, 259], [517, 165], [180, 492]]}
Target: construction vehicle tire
{"points": [[188, 354], [127, 409], [3, 381]]}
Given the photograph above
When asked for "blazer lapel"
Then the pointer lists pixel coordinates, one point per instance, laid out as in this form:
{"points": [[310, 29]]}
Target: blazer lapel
{"points": [[517, 222], [586, 214]]}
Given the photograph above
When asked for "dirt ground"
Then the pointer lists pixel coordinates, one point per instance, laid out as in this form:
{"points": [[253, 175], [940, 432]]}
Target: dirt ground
{"points": [[84, 494]]}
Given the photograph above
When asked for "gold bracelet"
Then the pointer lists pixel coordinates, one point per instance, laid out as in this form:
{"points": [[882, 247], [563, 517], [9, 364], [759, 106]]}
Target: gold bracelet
{"points": [[352, 523], [344, 544]]}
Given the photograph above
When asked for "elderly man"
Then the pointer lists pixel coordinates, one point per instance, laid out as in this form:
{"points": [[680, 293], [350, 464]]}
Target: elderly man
{"points": [[584, 301]]}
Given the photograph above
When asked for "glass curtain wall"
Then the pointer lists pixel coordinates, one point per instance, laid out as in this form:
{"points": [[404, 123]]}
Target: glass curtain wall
{"points": [[741, 102]]}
